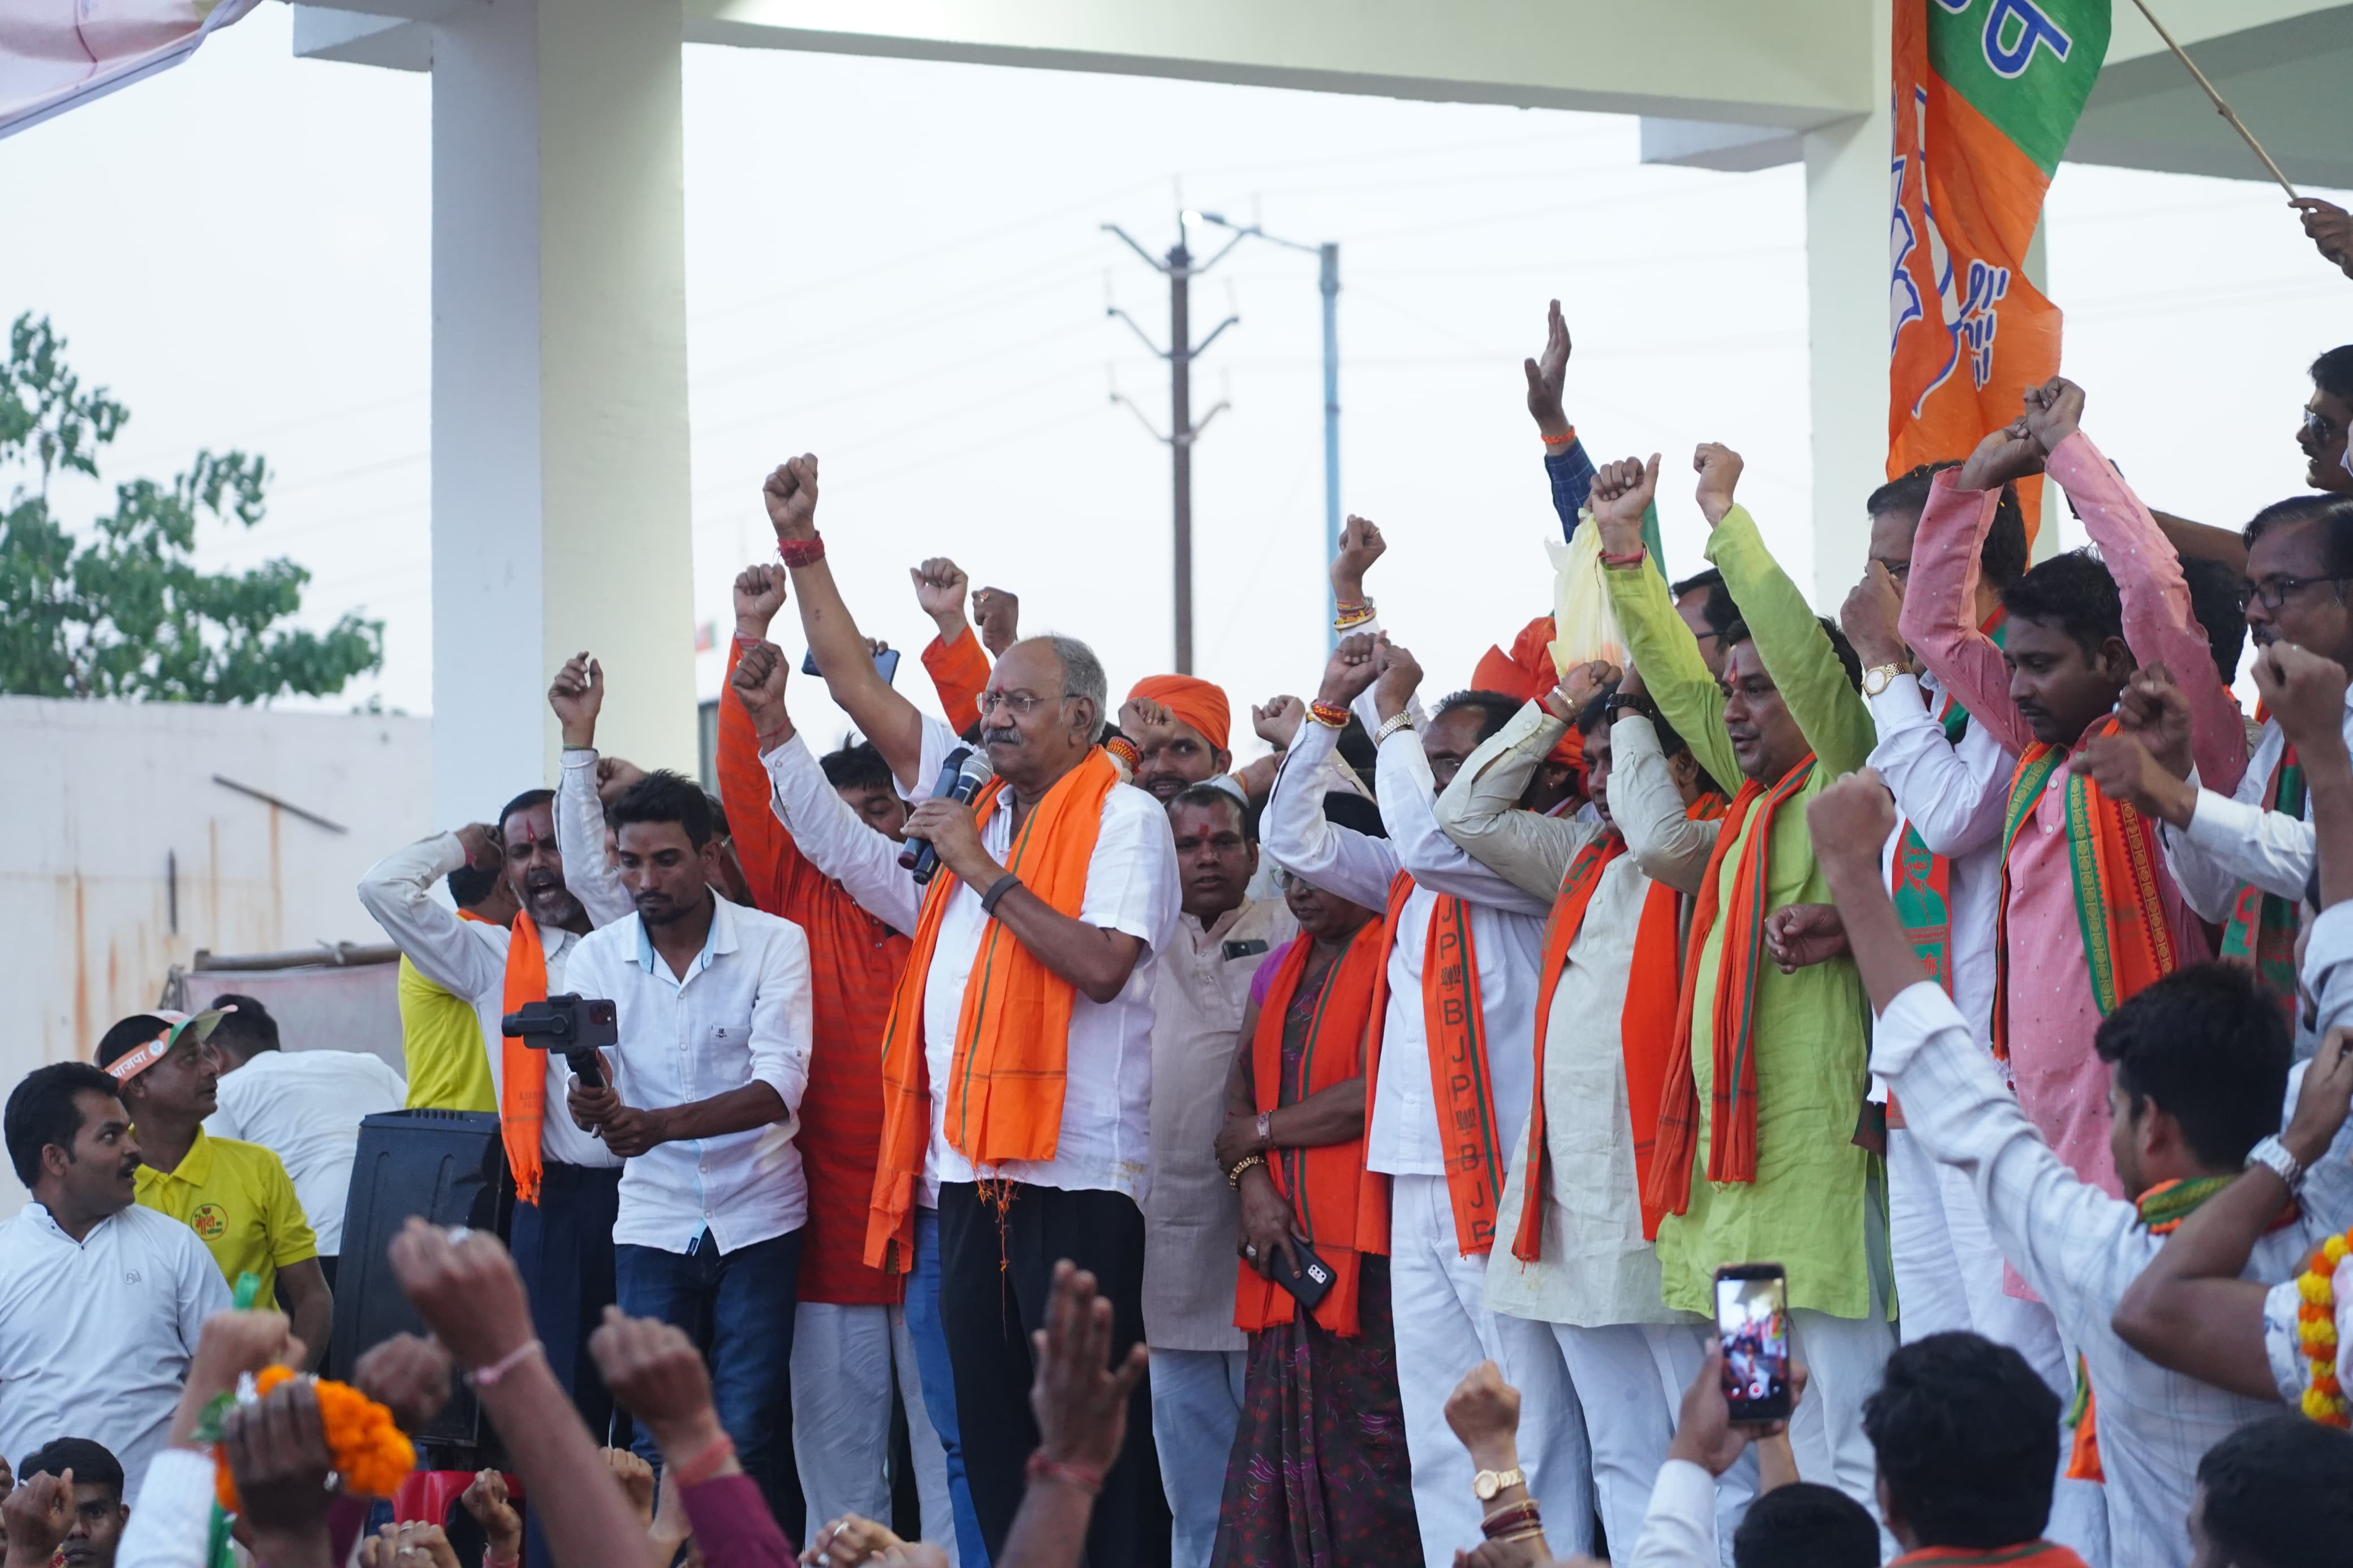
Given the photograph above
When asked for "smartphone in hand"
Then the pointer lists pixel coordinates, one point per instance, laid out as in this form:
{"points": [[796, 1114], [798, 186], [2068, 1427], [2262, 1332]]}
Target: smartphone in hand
{"points": [[1752, 1320]]}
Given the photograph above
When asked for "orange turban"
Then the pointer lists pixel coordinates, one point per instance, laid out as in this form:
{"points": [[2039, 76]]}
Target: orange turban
{"points": [[1192, 702], [1526, 671]]}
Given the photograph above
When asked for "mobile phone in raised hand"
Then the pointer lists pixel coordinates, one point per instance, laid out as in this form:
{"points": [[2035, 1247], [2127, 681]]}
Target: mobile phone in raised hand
{"points": [[1752, 1319]]}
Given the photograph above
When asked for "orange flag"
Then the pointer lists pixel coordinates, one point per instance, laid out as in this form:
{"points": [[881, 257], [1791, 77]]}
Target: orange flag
{"points": [[1987, 94]]}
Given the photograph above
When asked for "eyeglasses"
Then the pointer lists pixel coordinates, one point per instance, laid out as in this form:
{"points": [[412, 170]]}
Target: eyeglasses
{"points": [[1022, 703], [2272, 591], [2318, 426], [1285, 881]]}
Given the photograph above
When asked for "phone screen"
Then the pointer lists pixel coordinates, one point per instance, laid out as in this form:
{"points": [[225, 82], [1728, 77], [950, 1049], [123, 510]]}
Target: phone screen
{"points": [[1752, 1318]]}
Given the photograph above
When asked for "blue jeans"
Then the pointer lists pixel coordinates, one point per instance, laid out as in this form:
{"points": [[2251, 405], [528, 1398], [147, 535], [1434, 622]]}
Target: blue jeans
{"points": [[738, 1309], [939, 1381]]}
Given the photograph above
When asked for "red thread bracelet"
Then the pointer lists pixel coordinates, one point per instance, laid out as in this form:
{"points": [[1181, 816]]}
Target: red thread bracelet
{"points": [[703, 1466], [1042, 1468], [1635, 559], [784, 734], [1560, 440], [801, 552]]}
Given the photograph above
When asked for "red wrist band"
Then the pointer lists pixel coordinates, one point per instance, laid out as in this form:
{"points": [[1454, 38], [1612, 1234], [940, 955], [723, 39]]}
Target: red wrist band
{"points": [[1331, 715], [1042, 1468], [703, 1466], [1633, 559], [1560, 440], [801, 552]]}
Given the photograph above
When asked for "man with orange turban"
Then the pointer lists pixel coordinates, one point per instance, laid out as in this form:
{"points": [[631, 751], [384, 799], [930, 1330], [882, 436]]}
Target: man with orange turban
{"points": [[1179, 725]]}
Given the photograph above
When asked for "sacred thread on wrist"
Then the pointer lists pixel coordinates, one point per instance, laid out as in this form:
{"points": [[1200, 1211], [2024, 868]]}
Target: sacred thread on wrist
{"points": [[1561, 440], [801, 552], [1330, 714]]}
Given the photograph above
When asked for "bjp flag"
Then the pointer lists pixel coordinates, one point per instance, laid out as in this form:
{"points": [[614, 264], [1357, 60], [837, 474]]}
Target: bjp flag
{"points": [[1986, 94]]}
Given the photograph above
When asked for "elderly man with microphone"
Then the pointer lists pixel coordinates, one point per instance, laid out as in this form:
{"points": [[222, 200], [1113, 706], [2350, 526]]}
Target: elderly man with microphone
{"points": [[1018, 1063]]}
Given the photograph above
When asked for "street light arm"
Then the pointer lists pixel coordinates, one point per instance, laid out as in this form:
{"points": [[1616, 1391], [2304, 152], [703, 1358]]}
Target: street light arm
{"points": [[1150, 260], [1139, 332]]}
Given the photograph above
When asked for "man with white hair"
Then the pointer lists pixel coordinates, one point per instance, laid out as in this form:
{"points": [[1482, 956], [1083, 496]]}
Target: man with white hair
{"points": [[1017, 1068]]}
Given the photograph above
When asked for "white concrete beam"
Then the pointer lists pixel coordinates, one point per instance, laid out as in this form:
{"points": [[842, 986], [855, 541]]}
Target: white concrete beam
{"points": [[358, 38], [1847, 205], [1793, 64], [560, 515], [1712, 144]]}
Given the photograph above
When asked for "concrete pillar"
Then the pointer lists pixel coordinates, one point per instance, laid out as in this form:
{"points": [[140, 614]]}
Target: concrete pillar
{"points": [[1848, 203], [561, 492]]}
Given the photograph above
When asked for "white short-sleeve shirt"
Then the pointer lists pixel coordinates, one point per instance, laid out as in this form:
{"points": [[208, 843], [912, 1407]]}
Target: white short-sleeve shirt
{"points": [[95, 1335], [305, 1107], [1131, 887]]}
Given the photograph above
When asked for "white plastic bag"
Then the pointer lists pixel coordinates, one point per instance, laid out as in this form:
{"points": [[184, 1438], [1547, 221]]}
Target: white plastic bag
{"points": [[1585, 624]]}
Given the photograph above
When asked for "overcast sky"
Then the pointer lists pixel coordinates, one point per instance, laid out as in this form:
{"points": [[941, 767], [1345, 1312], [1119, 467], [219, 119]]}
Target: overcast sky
{"points": [[898, 266]]}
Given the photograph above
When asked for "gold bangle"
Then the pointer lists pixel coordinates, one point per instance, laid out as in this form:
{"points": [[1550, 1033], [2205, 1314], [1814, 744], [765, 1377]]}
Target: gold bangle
{"points": [[1234, 1176]]}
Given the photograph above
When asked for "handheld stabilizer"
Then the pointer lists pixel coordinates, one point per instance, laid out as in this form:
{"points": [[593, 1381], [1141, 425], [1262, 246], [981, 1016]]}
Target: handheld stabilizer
{"points": [[572, 1023]]}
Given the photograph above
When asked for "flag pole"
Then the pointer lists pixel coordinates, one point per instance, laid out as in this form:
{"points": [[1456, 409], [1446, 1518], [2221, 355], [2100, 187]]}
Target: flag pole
{"points": [[2220, 108]]}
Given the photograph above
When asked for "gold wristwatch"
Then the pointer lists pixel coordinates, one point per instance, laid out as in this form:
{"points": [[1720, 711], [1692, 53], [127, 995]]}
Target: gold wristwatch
{"points": [[1879, 678], [1487, 1483]]}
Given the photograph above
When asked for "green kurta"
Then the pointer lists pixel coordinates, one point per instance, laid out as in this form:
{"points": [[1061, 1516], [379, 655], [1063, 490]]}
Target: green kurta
{"points": [[1807, 1208]]}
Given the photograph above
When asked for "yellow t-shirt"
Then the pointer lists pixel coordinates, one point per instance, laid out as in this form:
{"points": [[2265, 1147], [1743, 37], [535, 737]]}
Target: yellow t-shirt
{"points": [[441, 1035], [238, 1199]]}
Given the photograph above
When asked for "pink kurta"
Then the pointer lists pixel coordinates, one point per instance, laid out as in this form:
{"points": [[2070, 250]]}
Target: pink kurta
{"points": [[2063, 1085]]}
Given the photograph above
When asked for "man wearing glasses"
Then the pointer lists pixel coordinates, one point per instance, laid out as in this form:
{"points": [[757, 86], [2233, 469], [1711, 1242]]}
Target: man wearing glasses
{"points": [[2242, 860], [1017, 1065], [2329, 462]]}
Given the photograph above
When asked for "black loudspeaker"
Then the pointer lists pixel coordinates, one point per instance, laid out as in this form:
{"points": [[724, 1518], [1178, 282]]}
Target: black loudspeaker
{"points": [[450, 1167]]}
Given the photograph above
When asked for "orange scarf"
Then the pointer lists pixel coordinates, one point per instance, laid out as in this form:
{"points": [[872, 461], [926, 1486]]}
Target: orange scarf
{"points": [[2112, 854], [1343, 1207], [522, 1072], [1454, 1022], [1646, 1022], [2025, 1554], [1013, 1031], [1732, 1125]]}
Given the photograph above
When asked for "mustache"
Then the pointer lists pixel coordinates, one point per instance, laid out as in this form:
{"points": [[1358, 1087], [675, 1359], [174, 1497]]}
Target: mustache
{"points": [[1007, 736]]}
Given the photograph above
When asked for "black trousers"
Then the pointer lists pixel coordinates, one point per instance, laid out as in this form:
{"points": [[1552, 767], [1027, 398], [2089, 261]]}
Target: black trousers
{"points": [[995, 1278]]}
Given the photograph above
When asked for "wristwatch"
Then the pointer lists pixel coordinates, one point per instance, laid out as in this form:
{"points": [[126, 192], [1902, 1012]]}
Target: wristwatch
{"points": [[1487, 1483], [1629, 702], [1879, 678], [1402, 719], [2272, 1155]]}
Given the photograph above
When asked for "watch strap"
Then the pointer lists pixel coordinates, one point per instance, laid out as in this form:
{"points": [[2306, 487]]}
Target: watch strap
{"points": [[2274, 1156]]}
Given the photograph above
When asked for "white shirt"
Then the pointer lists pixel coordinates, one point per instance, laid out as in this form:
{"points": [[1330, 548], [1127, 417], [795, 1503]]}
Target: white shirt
{"points": [[1105, 1141], [95, 1335], [2080, 1250], [1506, 936], [169, 1527], [1595, 1270], [1679, 1528], [2232, 840], [468, 958], [1954, 795], [741, 1016], [305, 1107]]}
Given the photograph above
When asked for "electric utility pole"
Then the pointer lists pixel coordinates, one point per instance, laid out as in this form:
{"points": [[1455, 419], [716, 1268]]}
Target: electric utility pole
{"points": [[1328, 284], [1180, 269]]}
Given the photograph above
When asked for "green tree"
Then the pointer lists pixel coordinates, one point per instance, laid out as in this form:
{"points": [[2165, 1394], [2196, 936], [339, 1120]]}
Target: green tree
{"points": [[122, 611]]}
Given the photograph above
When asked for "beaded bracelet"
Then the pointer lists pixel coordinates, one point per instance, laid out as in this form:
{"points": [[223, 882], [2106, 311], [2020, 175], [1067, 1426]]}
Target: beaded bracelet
{"points": [[801, 552], [1561, 440], [1042, 1468], [1234, 1176]]}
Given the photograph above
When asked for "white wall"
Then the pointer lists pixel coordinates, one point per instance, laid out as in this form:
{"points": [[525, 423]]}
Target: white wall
{"points": [[100, 798]]}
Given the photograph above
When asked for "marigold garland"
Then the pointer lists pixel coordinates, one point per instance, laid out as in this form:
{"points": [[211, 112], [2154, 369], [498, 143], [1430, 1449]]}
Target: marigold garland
{"points": [[372, 1455], [2324, 1398]]}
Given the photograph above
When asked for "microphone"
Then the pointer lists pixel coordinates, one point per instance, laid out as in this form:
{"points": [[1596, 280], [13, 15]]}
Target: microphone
{"points": [[961, 778]]}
